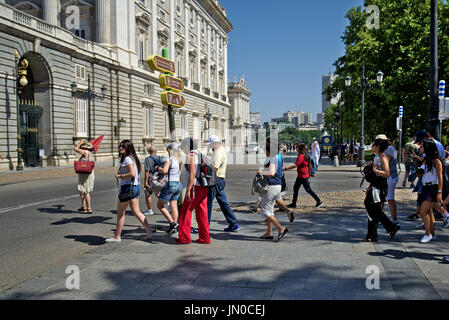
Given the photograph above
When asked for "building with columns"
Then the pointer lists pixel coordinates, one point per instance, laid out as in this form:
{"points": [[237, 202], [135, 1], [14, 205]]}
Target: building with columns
{"points": [[241, 124], [67, 48]]}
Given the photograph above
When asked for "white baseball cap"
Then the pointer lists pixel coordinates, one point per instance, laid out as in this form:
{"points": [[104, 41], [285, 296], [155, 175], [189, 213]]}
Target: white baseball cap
{"points": [[174, 146], [213, 139]]}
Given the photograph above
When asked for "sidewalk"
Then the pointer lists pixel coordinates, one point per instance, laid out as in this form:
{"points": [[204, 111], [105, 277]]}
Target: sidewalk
{"points": [[321, 257]]}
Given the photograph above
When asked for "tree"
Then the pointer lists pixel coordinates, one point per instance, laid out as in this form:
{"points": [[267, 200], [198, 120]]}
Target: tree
{"points": [[294, 136], [400, 48]]}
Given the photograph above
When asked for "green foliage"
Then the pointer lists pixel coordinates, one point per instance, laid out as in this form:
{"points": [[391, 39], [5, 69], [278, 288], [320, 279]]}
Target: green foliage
{"points": [[293, 135], [401, 50]]}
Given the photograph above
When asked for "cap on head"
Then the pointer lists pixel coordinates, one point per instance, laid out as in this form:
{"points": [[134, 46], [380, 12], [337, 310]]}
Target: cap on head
{"points": [[421, 135], [213, 139], [173, 146], [381, 137]]}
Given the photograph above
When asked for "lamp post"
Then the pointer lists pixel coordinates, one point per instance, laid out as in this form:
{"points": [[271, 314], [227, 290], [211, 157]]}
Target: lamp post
{"points": [[342, 102], [20, 72], [363, 86], [208, 116], [89, 95]]}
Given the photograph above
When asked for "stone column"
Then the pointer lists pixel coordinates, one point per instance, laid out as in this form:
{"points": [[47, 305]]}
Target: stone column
{"points": [[51, 8], [103, 8], [209, 75], [154, 15], [225, 54], [198, 58], [186, 46], [172, 53], [217, 62]]}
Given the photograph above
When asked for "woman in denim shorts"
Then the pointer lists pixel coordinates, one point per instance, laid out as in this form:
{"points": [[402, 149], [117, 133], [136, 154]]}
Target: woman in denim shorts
{"points": [[171, 191]]}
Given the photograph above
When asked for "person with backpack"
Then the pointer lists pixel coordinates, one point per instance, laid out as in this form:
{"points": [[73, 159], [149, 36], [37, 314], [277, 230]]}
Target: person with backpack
{"points": [[302, 166], [129, 190], [272, 172], [217, 191], [169, 194], [151, 162], [195, 196], [85, 181]]}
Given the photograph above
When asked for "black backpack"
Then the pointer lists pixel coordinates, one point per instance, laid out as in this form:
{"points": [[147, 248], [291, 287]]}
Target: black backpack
{"points": [[208, 173]]}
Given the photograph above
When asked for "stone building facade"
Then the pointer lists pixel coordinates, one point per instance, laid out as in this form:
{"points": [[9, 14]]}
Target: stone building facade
{"points": [[101, 46], [242, 129]]}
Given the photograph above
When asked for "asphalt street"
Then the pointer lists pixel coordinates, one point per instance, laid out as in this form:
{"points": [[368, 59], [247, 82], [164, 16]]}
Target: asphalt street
{"points": [[41, 227]]}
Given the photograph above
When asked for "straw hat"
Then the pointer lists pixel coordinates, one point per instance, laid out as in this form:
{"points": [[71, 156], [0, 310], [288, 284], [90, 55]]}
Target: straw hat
{"points": [[86, 145]]}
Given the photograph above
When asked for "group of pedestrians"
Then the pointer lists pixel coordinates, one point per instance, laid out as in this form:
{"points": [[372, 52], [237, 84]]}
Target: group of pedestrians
{"points": [[197, 196], [424, 159]]}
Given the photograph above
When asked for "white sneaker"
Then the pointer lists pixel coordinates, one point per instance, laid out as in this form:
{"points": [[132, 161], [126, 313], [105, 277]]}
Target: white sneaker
{"points": [[148, 213], [425, 239], [113, 240]]}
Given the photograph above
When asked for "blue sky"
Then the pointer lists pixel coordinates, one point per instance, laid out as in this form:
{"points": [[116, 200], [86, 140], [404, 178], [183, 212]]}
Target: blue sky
{"points": [[283, 48]]}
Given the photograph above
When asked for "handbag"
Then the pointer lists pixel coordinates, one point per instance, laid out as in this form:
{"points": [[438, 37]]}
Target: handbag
{"points": [[284, 184], [260, 184], [84, 166], [128, 194]]}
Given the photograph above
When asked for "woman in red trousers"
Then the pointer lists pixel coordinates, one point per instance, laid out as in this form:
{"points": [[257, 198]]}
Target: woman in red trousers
{"points": [[195, 197]]}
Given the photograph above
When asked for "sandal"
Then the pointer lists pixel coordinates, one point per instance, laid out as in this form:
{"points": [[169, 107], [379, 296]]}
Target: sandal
{"points": [[282, 234], [87, 212], [265, 237], [82, 209], [369, 240]]}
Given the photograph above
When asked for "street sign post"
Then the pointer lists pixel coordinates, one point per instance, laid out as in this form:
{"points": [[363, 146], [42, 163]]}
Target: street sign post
{"points": [[168, 82], [172, 99], [399, 124], [161, 64]]}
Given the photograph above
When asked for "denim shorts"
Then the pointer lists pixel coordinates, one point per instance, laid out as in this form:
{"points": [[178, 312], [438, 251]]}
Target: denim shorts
{"points": [[171, 191], [125, 188]]}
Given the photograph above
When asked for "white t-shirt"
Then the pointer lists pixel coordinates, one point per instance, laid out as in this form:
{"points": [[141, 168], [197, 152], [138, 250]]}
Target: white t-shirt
{"points": [[315, 150], [124, 170]]}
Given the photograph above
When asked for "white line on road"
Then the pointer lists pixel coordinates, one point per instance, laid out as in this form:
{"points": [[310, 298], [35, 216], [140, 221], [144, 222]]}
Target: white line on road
{"points": [[27, 205]]}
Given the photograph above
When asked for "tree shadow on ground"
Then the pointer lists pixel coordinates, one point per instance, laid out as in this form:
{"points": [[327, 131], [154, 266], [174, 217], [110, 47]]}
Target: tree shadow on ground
{"points": [[58, 209], [90, 240]]}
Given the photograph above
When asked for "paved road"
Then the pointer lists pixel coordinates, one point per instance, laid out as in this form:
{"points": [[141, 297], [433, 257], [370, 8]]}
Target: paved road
{"points": [[41, 228]]}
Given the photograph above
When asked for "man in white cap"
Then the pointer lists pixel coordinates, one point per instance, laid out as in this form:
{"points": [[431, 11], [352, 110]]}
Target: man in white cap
{"points": [[217, 191], [316, 152]]}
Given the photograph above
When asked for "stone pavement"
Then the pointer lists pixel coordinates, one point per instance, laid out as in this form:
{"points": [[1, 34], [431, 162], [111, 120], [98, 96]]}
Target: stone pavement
{"points": [[321, 258]]}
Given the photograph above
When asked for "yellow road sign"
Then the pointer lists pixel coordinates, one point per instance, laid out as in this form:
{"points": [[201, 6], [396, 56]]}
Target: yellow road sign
{"points": [[173, 99], [161, 64], [172, 83]]}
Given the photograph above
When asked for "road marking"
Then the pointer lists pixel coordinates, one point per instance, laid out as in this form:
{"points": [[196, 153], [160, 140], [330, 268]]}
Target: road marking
{"points": [[21, 206]]}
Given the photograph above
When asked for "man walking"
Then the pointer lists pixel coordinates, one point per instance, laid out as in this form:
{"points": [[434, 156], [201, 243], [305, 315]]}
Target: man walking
{"points": [[407, 154], [316, 152], [150, 163], [217, 191]]}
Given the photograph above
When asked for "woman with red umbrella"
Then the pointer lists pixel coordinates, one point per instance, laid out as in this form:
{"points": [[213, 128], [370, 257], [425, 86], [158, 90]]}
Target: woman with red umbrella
{"points": [[85, 180]]}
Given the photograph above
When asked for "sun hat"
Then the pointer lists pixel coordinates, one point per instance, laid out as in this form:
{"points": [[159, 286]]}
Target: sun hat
{"points": [[381, 137], [213, 139], [86, 145]]}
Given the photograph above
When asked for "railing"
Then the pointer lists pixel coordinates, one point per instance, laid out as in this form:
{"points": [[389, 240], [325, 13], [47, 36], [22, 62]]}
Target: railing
{"points": [[22, 18]]}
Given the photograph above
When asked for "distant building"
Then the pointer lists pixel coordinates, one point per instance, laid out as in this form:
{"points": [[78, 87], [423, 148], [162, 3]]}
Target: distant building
{"points": [[296, 118], [327, 80], [239, 94], [320, 121], [255, 119]]}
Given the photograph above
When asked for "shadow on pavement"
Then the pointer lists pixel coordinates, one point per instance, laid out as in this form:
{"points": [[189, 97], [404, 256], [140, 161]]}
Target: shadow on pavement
{"points": [[56, 209], [89, 220]]}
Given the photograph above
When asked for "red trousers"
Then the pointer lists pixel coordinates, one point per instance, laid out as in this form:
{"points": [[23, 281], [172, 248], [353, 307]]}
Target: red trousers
{"points": [[199, 204]]}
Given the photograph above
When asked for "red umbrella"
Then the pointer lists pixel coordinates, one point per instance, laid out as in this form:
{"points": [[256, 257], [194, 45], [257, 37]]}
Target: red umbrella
{"points": [[97, 142]]}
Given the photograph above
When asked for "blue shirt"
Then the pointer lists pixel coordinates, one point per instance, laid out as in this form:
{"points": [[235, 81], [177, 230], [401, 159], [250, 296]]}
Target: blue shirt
{"points": [[281, 161], [277, 178], [441, 150]]}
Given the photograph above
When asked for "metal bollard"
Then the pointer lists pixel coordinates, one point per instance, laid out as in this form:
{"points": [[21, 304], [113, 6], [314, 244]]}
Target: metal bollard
{"points": [[336, 161]]}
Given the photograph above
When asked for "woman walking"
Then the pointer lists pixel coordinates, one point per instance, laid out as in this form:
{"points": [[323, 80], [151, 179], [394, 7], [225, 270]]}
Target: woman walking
{"points": [[376, 193], [195, 197], [130, 182], [172, 189], [85, 181], [303, 178], [273, 172], [432, 189]]}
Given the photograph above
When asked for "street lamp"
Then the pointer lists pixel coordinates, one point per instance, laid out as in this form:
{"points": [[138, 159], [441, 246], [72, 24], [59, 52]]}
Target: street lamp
{"points": [[342, 102], [21, 80], [89, 95], [208, 116], [363, 86]]}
